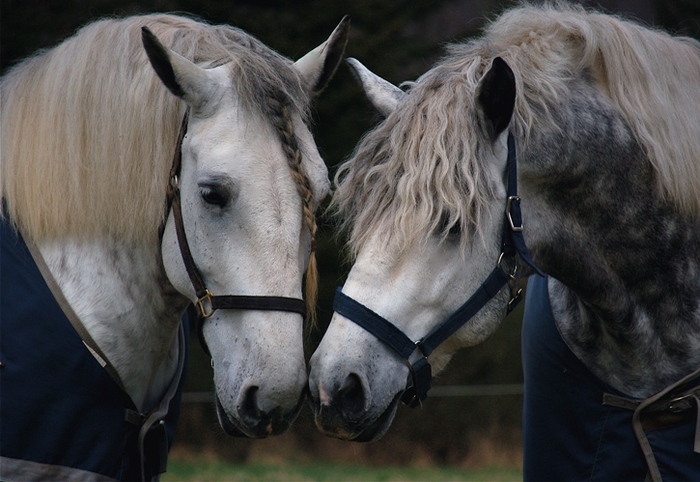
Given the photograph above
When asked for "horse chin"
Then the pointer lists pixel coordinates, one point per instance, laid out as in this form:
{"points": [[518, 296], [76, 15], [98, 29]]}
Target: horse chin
{"points": [[330, 422], [275, 423]]}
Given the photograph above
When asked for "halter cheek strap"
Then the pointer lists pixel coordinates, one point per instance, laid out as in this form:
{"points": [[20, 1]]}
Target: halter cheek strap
{"points": [[207, 303], [512, 245]]}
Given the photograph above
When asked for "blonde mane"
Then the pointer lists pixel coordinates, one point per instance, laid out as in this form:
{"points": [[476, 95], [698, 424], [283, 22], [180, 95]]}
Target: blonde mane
{"points": [[88, 131], [418, 173]]}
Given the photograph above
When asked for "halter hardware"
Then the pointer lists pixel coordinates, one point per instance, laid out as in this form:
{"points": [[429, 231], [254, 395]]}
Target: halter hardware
{"points": [[509, 205], [207, 303], [204, 305], [512, 245]]}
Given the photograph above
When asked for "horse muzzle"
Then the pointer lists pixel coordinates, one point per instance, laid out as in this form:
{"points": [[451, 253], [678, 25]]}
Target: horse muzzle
{"points": [[252, 422], [343, 414]]}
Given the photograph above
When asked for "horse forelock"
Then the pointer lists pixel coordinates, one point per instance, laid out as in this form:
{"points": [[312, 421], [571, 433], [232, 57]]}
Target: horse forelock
{"points": [[420, 171], [89, 131]]}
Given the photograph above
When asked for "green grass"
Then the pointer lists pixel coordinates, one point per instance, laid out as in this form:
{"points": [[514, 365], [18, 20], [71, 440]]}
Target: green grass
{"points": [[206, 471]]}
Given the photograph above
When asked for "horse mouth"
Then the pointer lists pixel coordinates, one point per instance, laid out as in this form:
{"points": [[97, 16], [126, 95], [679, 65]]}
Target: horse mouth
{"points": [[265, 425], [330, 422]]}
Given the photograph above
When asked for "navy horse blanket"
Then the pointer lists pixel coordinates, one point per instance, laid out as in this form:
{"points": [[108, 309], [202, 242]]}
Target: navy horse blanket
{"points": [[62, 416], [570, 434]]}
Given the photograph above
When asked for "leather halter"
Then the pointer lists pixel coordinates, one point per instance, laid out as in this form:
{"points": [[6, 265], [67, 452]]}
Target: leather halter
{"points": [[207, 303], [512, 245]]}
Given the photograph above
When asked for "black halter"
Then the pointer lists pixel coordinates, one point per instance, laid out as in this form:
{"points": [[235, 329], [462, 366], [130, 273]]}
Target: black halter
{"points": [[207, 303], [512, 244]]}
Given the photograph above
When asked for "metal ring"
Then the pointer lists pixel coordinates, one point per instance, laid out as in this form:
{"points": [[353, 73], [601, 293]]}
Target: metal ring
{"points": [[515, 266]]}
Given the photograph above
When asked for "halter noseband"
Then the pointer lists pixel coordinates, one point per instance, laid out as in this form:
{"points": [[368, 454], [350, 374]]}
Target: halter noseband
{"points": [[207, 303], [512, 244]]}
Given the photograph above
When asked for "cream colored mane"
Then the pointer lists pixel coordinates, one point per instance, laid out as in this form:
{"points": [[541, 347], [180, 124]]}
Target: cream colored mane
{"points": [[88, 131], [419, 173]]}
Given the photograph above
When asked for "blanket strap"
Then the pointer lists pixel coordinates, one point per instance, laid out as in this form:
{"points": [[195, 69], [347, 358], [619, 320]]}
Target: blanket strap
{"points": [[153, 439], [661, 410]]}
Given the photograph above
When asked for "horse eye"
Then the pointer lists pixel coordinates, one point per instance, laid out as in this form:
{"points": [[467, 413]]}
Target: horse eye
{"points": [[214, 196], [453, 230]]}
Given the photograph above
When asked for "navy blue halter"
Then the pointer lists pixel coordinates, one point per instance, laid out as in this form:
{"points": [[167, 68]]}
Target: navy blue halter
{"points": [[512, 245]]}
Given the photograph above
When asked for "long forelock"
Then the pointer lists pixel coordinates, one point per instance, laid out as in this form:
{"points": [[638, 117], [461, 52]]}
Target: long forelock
{"points": [[89, 131], [418, 174]]}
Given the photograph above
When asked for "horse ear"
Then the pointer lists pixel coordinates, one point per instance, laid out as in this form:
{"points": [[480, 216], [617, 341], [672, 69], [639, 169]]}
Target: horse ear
{"points": [[182, 77], [383, 95], [496, 96], [318, 66]]}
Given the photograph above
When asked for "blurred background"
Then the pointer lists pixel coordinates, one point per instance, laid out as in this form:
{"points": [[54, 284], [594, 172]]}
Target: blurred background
{"points": [[473, 415]]}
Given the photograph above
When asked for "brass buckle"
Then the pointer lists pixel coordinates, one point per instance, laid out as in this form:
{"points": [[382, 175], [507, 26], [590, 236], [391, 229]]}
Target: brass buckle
{"points": [[205, 305], [509, 203]]}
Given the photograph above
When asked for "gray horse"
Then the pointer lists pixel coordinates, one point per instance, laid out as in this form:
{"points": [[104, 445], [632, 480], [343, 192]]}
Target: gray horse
{"points": [[604, 115]]}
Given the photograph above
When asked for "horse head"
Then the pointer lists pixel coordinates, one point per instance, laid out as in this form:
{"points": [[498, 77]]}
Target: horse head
{"points": [[419, 251], [249, 180]]}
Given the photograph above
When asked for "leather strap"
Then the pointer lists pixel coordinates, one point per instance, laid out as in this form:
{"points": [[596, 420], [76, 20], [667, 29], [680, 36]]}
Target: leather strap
{"points": [[207, 303], [667, 408]]}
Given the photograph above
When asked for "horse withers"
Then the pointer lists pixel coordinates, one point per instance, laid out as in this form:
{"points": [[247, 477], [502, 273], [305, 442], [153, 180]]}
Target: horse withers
{"points": [[599, 116], [126, 209]]}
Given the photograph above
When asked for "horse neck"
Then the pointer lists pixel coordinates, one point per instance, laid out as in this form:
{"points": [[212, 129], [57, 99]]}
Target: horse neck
{"points": [[122, 297], [626, 260]]}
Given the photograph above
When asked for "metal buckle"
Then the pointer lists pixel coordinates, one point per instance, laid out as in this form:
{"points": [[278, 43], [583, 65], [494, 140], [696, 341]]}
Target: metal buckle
{"points": [[515, 266], [515, 298], [205, 303], [509, 203], [680, 404]]}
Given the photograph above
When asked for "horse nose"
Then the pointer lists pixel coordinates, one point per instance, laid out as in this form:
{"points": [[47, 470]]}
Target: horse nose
{"points": [[351, 398], [262, 420], [250, 412]]}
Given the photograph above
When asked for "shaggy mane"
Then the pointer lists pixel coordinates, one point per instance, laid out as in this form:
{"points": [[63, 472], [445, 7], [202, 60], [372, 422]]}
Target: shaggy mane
{"points": [[419, 173], [88, 131]]}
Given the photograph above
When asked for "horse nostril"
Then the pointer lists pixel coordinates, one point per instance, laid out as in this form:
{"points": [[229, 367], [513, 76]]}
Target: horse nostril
{"points": [[351, 397], [249, 409]]}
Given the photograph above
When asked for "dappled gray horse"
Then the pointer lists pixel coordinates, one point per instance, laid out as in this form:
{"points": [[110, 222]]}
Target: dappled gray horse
{"points": [[600, 116]]}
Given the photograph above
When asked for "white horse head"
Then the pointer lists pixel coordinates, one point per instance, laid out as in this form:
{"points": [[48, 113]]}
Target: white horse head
{"points": [[85, 179], [250, 180], [416, 261]]}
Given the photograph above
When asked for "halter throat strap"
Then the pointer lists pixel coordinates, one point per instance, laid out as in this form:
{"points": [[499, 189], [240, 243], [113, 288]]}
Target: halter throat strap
{"points": [[207, 303], [512, 245]]}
